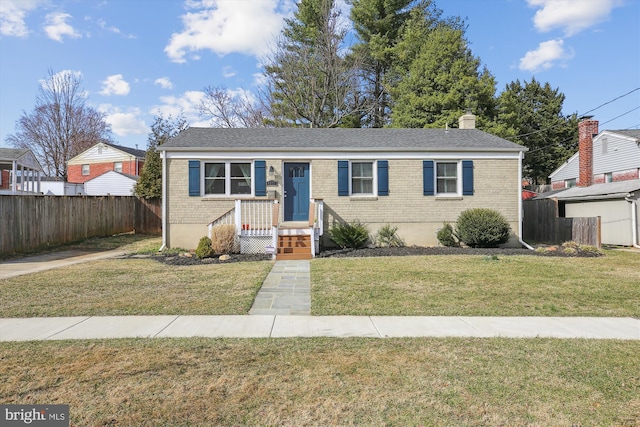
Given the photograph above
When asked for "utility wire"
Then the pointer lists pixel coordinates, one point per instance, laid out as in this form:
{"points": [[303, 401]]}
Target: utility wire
{"points": [[571, 139], [583, 114]]}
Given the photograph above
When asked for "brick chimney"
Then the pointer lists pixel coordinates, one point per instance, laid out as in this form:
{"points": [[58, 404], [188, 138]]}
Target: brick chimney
{"points": [[587, 128]]}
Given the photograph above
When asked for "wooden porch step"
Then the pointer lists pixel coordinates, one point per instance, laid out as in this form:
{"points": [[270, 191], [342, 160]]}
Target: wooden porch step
{"points": [[294, 247]]}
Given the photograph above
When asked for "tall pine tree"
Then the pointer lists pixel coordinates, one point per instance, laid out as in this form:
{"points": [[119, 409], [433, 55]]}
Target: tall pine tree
{"points": [[531, 115], [437, 78]]}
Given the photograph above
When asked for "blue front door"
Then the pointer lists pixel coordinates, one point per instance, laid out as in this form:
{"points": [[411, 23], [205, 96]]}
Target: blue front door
{"points": [[296, 191]]}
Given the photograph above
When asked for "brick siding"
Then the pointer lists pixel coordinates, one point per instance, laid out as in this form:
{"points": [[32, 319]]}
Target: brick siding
{"points": [[74, 172]]}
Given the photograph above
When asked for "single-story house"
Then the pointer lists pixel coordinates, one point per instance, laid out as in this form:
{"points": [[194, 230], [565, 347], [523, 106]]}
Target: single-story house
{"points": [[283, 187], [111, 184]]}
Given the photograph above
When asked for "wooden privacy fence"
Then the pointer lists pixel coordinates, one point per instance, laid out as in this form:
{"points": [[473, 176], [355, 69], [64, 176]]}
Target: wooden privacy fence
{"points": [[541, 224], [29, 222]]}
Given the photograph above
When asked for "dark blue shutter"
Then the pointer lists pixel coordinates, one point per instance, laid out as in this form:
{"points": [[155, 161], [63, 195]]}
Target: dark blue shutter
{"points": [[260, 168], [343, 178], [467, 178], [194, 177], [428, 178], [383, 178]]}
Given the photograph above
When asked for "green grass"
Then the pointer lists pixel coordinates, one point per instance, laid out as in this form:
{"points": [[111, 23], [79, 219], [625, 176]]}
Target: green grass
{"points": [[320, 381], [478, 286]]}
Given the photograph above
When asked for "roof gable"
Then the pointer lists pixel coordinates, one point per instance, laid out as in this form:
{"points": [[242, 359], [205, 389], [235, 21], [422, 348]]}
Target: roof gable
{"points": [[103, 152]]}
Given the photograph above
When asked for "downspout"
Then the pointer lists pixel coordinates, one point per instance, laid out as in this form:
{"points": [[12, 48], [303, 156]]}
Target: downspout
{"points": [[520, 211], [634, 221], [164, 201]]}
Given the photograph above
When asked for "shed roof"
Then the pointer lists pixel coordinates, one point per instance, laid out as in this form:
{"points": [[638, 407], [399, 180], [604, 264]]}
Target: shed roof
{"points": [[609, 190], [337, 139]]}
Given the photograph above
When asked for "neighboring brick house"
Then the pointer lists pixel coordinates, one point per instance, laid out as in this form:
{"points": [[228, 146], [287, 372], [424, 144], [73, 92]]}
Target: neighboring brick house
{"points": [[102, 158], [608, 156], [280, 186]]}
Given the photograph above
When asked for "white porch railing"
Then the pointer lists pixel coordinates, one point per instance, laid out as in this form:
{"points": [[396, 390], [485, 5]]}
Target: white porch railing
{"points": [[259, 219]]}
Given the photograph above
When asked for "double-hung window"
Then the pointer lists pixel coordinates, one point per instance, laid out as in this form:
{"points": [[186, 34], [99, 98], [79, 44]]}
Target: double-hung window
{"points": [[227, 178], [447, 178], [362, 178], [85, 170], [117, 166]]}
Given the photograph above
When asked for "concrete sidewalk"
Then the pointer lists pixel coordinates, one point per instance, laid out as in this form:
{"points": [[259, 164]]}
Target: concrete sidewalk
{"points": [[266, 326]]}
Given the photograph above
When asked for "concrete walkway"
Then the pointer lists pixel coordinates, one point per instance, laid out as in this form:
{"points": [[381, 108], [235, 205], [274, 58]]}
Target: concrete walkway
{"points": [[281, 310], [285, 291]]}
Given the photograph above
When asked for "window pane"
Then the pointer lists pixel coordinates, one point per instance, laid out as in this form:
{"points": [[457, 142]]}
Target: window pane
{"points": [[361, 170], [447, 178], [447, 169], [214, 182], [214, 186], [240, 178]]}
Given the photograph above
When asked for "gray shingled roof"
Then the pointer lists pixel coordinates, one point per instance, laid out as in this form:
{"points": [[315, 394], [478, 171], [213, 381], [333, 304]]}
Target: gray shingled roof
{"points": [[12, 153], [610, 190], [132, 151], [276, 139], [633, 133]]}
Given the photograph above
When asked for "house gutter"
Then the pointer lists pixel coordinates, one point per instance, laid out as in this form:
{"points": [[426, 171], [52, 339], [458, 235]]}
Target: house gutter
{"points": [[520, 208], [164, 201], [634, 221]]}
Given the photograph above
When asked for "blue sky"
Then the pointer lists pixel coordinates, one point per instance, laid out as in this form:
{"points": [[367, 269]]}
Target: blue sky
{"points": [[140, 58]]}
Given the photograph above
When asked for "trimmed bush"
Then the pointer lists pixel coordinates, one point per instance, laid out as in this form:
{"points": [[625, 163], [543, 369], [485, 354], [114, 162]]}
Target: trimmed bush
{"points": [[352, 235], [204, 249], [223, 239], [482, 228], [446, 237], [387, 237]]}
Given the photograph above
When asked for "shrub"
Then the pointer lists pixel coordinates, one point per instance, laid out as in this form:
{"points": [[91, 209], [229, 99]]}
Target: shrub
{"points": [[204, 249], [446, 236], [223, 238], [352, 235], [482, 228], [387, 237], [590, 250]]}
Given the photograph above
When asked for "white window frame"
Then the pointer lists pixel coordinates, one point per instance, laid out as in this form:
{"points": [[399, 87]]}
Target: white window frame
{"points": [[458, 192], [374, 172], [570, 183], [88, 171], [227, 178], [115, 166]]}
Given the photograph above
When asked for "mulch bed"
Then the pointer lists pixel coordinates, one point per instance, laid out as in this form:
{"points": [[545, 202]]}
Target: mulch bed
{"points": [[557, 251]]}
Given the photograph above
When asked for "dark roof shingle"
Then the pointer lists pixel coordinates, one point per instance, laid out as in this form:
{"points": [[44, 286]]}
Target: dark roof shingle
{"points": [[337, 140]]}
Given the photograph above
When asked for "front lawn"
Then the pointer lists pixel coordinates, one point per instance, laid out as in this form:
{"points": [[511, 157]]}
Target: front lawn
{"points": [[321, 381], [450, 285]]}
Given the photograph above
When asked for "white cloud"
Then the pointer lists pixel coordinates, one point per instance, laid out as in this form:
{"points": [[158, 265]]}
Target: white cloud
{"points": [[12, 16], [228, 26], [543, 58], [164, 83], [115, 85], [188, 104], [56, 26], [124, 123], [572, 16], [228, 72]]}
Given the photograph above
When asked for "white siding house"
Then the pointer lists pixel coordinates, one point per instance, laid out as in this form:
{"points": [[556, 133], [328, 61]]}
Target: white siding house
{"points": [[111, 184]]}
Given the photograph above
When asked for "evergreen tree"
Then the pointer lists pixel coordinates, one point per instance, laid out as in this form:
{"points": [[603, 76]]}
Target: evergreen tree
{"points": [[531, 115], [149, 185], [437, 78], [309, 81]]}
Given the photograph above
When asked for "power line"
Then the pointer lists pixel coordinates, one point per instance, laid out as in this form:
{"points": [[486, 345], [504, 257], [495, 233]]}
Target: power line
{"points": [[579, 115], [571, 139]]}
